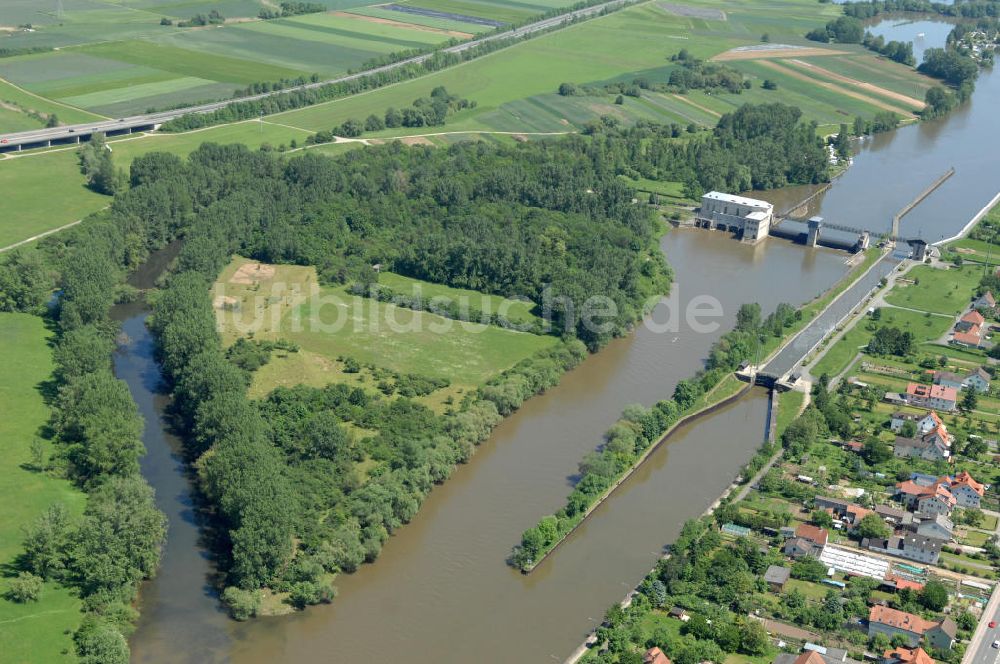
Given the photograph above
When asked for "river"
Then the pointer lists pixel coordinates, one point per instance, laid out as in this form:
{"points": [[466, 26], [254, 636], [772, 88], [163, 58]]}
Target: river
{"points": [[440, 591]]}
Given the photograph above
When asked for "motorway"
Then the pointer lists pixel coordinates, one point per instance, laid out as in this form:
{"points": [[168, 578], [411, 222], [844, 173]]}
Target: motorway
{"points": [[71, 133]]}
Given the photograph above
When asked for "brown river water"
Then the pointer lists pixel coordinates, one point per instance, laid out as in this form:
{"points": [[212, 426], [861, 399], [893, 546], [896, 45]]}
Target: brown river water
{"points": [[440, 592]]}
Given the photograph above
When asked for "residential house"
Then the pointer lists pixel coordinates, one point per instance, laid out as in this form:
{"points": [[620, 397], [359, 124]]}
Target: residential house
{"points": [[967, 491], [984, 301], [817, 536], [937, 526], [978, 380], [943, 634], [899, 418], [838, 506], [909, 546], [776, 577], [931, 396], [888, 621], [929, 422], [906, 656], [971, 339], [970, 320], [893, 515], [928, 447], [854, 515], [813, 654], [934, 499], [655, 656], [948, 379], [799, 547], [897, 583]]}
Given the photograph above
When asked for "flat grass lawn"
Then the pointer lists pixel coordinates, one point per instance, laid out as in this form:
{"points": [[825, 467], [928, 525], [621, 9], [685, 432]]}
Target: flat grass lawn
{"points": [[289, 303], [839, 356], [516, 311], [29, 632], [12, 119], [976, 538], [789, 404], [941, 291], [42, 192]]}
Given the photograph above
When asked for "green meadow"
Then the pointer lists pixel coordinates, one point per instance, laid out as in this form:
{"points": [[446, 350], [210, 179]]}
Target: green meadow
{"points": [[41, 192], [32, 632], [940, 291]]}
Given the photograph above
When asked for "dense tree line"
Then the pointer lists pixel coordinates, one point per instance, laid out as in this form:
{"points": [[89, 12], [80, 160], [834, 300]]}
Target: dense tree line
{"points": [[429, 111], [291, 9], [200, 20], [106, 552], [842, 30], [901, 52], [640, 427]]}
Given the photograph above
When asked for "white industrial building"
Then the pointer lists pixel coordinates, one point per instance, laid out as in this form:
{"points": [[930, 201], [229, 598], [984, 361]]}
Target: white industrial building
{"points": [[748, 217]]}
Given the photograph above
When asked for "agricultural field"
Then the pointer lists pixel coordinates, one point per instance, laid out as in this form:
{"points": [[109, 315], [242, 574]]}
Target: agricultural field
{"points": [[512, 93], [34, 631], [329, 325]]}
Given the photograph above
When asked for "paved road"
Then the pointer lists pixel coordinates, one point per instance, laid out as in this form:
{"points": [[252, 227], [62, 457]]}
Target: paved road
{"points": [[980, 649], [70, 132], [789, 357]]}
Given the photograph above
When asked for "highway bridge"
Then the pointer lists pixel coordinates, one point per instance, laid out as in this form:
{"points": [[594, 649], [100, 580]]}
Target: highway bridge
{"points": [[47, 137]]}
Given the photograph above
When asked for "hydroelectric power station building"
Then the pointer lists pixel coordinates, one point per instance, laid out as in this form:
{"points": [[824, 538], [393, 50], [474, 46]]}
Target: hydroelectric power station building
{"points": [[749, 218]]}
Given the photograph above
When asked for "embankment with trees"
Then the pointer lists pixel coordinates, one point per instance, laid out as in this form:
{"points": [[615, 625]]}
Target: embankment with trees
{"points": [[630, 440], [105, 553]]}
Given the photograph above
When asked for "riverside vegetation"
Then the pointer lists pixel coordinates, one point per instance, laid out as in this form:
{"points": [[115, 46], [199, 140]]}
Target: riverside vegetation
{"points": [[507, 220]]}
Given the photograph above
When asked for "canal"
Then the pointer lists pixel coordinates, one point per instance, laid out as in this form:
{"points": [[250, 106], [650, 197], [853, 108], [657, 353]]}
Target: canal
{"points": [[440, 591]]}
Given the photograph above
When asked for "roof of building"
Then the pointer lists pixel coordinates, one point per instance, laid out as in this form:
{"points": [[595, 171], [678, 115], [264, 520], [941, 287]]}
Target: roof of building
{"points": [[886, 510], [938, 422], [810, 657], [812, 533], [932, 391], [900, 583], [949, 627], [856, 512], [965, 479], [918, 443], [973, 317], [655, 656], [738, 200], [971, 338], [940, 520], [777, 574], [947, 375], [903, 655], [982, 373], [896, 619], [900, 415], [987, 299], [826, 500]]}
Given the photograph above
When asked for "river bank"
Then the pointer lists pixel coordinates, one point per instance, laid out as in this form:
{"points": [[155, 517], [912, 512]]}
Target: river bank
{"points": [[709, 401]]}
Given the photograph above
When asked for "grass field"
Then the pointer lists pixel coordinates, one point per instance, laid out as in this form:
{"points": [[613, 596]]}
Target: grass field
{"points": [[29, 632], [840, 355], [942, 291], [328, 322], [43, 192], [516, 311]]}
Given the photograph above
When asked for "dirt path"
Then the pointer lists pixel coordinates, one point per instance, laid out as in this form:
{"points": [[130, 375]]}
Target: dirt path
{"points": [[871, 87], [742, 53], [407, 26], [794, 73], [714, 114]]}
